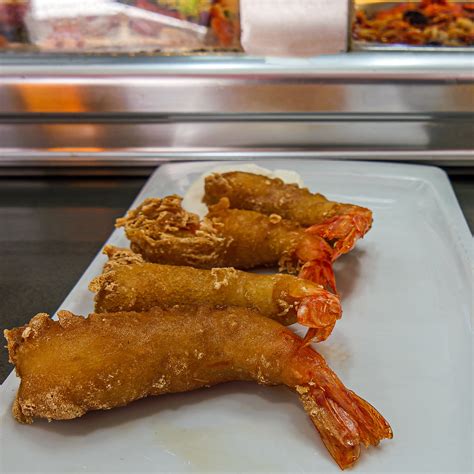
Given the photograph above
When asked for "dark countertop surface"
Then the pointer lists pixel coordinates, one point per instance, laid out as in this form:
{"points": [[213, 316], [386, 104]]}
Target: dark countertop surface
{"points": [[51, 228]]}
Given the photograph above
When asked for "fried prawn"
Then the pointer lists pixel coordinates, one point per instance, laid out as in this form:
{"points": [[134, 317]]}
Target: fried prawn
{"points": [[130, 284], [341, 224], [75, 365]]}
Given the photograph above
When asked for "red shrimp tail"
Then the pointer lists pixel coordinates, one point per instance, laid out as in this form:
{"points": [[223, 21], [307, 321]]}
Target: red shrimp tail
{"points": [[374, 426], [321, 272], [338, 432], [344, 230], [319, 312], [343, 424], [317, 335]]}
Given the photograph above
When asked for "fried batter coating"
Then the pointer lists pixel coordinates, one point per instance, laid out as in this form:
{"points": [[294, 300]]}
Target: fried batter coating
{"points": [[163, 232], [259, 193], [342, 223], [130, 285], [75, 365]]}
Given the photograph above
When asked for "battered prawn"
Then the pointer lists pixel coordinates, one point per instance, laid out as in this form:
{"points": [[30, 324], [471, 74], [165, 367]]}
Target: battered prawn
{"points": [[130, 284], [163, 232], [75, 365], [340, 224]]}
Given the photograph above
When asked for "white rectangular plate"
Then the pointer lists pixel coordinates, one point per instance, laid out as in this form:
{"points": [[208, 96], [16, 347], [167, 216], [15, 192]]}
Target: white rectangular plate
{"points": [[404, 344]]}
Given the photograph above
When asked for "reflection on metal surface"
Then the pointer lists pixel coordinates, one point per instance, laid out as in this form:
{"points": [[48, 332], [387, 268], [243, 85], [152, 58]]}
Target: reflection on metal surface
{"points": [[156, 109], [36, 98], [359, 66], [136, 158], [72, 150], [179, 95], [354, 132]]}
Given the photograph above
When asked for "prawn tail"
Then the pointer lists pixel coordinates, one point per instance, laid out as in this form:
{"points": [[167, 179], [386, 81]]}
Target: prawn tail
{"points": [[320, 271], [319, 312], [343, 430]]}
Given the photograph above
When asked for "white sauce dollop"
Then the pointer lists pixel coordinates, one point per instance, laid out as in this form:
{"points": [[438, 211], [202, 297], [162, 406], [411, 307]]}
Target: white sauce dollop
{"points": [[192, 200]]}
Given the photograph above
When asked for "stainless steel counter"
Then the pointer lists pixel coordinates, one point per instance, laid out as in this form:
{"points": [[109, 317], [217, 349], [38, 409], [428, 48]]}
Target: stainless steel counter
{"points": [[105, 110], [52, 228]]}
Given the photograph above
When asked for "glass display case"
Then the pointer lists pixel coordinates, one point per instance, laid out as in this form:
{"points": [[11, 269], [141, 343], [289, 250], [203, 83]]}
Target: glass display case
{"points": [[119, 26]]}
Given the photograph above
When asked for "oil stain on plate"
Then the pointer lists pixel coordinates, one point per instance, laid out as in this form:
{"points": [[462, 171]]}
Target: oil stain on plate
{"points": [[211, 449]]}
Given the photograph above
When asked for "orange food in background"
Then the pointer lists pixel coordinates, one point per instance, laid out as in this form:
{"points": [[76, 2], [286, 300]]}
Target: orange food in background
{"points": [[430, 23], [225, 23]]}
